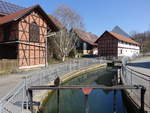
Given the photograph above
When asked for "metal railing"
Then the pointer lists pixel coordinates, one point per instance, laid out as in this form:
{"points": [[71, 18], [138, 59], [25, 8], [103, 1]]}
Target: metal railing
{"points": [[17, 100], [86, 89], [132, 77]]}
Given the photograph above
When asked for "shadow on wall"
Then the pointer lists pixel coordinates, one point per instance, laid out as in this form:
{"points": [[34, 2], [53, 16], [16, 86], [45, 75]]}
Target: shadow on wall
{"points": [[140, 64]]}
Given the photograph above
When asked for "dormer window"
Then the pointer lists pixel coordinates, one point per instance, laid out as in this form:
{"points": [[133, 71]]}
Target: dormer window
{"points": [[34, 32]]}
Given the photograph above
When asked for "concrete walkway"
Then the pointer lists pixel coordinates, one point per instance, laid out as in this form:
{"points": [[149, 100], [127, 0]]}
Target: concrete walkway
{"points": [[8, 82], [141, 65]]}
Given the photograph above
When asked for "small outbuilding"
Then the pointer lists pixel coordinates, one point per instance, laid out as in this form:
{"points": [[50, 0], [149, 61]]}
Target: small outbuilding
{"points": [[114, 45], [86, 42]]}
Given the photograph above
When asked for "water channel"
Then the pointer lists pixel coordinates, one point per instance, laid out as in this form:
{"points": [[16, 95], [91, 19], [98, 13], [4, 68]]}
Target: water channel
{"points": [[99, 101]]}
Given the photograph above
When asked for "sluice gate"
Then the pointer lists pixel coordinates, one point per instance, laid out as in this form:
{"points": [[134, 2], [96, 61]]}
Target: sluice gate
{"points": [[86, 89]]}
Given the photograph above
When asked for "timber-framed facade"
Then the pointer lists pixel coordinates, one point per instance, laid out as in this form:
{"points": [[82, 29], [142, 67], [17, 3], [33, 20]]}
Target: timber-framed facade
{"points": [[23, 36], [32, 42]]}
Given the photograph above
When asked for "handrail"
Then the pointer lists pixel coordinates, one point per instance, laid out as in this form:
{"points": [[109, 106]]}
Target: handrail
{"points": [[14, 94], [139, 78], [52, 87], [31, 79], [138, 72], [10, 93]]}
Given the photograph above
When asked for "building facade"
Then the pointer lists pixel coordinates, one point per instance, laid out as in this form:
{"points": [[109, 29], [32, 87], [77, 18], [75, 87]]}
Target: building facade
{"points": [[113, 45], [23, 36], [128, 49], [86, 42]]}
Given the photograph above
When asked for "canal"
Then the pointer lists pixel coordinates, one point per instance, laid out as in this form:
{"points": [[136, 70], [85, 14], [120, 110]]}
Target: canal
{"points": [[99, 101]]}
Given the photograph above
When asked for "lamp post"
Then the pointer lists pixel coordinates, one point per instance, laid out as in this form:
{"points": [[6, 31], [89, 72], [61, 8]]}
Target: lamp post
{"points": [[48, 36]]}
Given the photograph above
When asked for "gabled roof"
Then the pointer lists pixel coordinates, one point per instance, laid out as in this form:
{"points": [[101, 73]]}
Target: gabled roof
{"points": [[120, 37], [123, 38], [22, 13], [8, 8], [86, 36], [15, 16]]}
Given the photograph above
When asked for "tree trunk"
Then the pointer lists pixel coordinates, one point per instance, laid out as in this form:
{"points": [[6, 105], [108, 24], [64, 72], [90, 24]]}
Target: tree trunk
{"points": [[63, 58]]}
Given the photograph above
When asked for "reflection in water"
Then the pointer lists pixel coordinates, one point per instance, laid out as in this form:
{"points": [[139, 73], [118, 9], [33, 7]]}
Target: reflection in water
{"points": [[114, 103], [98, 101], [86, 104]]}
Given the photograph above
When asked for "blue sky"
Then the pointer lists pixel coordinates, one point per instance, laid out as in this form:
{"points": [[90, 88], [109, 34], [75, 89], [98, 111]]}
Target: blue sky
{"points": [[101, 15]]}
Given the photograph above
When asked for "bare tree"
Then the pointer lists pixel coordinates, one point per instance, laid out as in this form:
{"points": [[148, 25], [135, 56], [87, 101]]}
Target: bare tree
{"points": [[68, 17], [143, 39], [65, 40]]}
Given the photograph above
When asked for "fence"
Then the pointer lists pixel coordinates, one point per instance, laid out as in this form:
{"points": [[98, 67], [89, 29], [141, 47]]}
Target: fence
{"points": [[131, 77], [17, 99]]}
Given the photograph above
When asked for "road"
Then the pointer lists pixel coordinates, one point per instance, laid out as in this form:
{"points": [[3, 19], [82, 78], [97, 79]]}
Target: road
{"points": [[141, 65]]}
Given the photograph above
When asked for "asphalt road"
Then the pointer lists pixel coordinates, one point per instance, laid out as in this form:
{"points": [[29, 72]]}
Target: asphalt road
{"points": [[141, 65]]}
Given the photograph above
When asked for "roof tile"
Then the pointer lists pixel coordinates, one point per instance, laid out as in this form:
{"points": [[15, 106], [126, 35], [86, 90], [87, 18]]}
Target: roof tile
{"points": [[19, 14], [14, 16], [86, 36], [123, 38]]}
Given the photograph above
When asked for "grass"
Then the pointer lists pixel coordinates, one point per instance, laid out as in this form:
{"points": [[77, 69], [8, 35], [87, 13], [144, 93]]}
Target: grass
{"points": [[4, 73], [54, 61]]}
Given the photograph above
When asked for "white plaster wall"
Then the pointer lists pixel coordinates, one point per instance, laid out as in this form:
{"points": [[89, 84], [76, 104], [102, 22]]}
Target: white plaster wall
{"points": [[95, 51], [126, 49]]}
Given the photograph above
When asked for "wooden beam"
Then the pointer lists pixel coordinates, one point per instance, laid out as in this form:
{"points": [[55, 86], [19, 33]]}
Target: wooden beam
{"points": [[52, 87]]}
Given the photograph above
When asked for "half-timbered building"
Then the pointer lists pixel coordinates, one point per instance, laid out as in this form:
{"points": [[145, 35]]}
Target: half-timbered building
{"points": [[112, 45], [23, 34]]}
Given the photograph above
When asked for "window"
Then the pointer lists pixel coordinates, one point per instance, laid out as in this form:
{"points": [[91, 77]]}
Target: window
{"points": [[121, 51], [6, 32], [34, 32]]}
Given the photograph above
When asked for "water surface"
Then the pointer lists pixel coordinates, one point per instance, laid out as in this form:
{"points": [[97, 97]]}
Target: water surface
{"points": [[99, 101]]}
